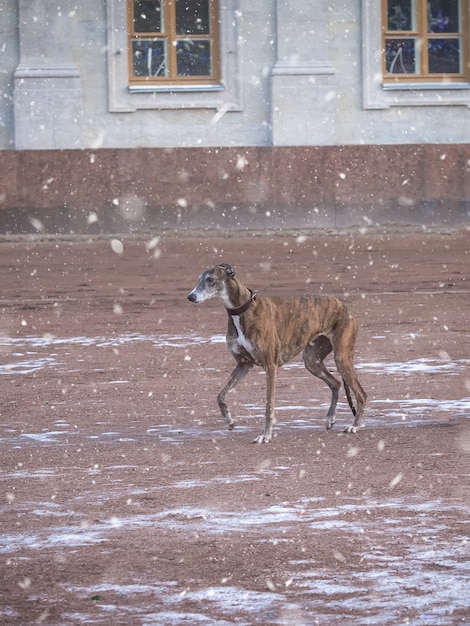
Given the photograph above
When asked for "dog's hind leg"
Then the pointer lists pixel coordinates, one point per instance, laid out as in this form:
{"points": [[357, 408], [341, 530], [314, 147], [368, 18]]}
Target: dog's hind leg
{"points": [[313, 356], [344, 358], [350, 381], [236, 376]]}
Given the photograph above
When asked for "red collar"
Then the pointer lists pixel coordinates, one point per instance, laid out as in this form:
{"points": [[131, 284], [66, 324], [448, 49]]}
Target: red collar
{"points": [[244, 307]]}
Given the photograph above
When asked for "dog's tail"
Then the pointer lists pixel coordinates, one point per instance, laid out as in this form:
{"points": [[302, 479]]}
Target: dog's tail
{"points": [[348, 396]]}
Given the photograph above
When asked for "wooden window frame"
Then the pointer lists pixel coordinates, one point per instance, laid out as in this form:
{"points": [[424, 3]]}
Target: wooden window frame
{"points": [[421, 34], [171, 37]]}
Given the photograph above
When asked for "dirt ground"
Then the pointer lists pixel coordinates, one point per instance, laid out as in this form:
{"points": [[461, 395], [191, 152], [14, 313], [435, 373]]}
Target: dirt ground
{"points": [[126, 501]]}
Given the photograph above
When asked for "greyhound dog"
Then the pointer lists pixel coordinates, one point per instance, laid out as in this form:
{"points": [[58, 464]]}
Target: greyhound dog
{"points": [[271, 331]]}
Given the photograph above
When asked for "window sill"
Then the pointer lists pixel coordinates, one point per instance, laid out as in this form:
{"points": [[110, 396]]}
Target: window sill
{"points": [[173, 88], [424, 86]]}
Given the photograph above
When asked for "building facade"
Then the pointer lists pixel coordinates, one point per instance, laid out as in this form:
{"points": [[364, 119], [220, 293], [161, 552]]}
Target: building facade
{"points": [[291, 73], [356, 77]]}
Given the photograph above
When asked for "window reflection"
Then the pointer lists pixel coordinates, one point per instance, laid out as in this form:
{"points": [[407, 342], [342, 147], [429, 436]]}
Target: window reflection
{"points": [[443, 17], [444, 56], [400, 56], [193, 57], [149, 57], [401, 15]]}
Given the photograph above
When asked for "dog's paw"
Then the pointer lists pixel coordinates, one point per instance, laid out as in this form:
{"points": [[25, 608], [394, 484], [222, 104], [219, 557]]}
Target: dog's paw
{"points": [[263, 438], [351, 430]]}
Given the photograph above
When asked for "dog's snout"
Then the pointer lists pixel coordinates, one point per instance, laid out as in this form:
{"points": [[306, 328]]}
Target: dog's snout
{"points": [[192, 297]]}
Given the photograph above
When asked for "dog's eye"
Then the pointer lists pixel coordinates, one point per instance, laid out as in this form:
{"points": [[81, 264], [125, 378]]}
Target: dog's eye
{"points": [[210, 280]]}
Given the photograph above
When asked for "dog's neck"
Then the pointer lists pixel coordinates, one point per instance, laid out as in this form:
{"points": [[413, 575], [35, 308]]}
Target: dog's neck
{"points": [[237, 298]]}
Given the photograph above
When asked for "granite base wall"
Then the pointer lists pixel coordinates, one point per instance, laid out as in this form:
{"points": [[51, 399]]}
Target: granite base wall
{"points": [[119, 190]]}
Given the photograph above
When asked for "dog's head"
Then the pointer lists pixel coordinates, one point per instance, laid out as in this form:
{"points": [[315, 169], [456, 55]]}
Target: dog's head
{"points": [[212, 283]]}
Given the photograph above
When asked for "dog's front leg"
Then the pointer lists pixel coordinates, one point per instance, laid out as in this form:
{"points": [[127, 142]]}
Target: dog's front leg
{"points": [[238, 373], [267, 434]]}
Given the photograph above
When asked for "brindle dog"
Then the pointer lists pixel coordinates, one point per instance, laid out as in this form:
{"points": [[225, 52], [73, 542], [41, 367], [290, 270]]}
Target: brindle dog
{"points": [[271, 331]]}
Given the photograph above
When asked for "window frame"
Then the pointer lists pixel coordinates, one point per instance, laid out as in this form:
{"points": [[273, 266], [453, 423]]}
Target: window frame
{"points": [[223, 96], [378, 94], [421, 34], [170, 37]]}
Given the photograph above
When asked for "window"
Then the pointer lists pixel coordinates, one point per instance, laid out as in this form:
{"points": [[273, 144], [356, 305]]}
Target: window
{"points": [[173, 42], [425, 41], [128, 92]]}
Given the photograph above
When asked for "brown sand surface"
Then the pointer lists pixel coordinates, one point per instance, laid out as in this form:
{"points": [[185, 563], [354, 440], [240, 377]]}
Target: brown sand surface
{"points": [[124, 500]]}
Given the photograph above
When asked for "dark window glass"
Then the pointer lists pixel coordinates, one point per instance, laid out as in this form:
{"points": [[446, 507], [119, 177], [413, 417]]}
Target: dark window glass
{"points": [[400, 56], [149, 57], [193, 57], [444, 56], [192, 17], [148, 16]]}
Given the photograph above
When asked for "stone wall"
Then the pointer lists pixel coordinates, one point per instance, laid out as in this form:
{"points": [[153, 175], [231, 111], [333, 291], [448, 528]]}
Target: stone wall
{"points": [[119, 190]]}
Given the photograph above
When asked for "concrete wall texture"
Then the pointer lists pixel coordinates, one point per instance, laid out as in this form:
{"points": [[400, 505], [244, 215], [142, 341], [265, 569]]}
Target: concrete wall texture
{"points": [[119, 190]]}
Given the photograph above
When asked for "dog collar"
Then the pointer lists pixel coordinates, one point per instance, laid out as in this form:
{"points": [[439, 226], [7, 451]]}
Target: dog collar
{"points": [[244, 307]]}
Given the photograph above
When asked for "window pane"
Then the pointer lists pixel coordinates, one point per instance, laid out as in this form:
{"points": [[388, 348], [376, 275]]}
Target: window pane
{"points": [[444, 56], [193, 57], [401, 15], [443, 16], [400, 56], [192, 17], [149, 57], [148, 17]]}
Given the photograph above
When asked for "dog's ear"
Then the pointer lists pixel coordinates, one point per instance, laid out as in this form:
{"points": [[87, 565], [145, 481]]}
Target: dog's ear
{"points": [[228, 269]]}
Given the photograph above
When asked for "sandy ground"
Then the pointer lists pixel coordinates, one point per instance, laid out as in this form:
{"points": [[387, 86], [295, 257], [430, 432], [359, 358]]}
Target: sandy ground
{"points": [[125, 500]]}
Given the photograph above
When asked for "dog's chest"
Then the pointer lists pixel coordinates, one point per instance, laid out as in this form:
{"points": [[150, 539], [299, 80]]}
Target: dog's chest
{"points": [[242, 340]]}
